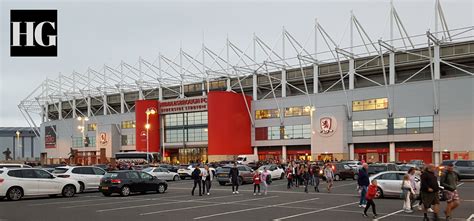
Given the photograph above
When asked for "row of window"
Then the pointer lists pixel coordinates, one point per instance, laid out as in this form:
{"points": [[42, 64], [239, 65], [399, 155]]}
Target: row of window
{"points": [[283, 132], [88, 141], [128, 124], [186, 135], [289, 112], [370, 104], [193, 118], [128, 139], [402, 125]]}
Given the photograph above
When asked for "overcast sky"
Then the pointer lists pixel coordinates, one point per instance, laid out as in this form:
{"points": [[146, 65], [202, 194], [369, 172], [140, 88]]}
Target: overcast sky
{"points": [[94, 33]]}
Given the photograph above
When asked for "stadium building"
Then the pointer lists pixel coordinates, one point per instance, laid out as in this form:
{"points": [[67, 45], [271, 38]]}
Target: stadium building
{"points": [[400, 99]]}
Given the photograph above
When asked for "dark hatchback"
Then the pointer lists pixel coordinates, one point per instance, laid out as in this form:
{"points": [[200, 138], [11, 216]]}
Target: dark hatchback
{"points": [[381, 167], [343, 171], [126, 182]]}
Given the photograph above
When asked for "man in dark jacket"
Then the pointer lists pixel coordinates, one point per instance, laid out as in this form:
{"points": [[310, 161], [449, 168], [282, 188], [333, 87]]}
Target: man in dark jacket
{"points": [[196, 176], [429, 191], [449, 180], [363, 182], [234, 179]]}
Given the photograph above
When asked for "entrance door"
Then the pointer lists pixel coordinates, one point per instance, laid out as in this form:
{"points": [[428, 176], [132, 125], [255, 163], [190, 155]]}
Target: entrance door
{"points": [[383, 157], [363, 157]]}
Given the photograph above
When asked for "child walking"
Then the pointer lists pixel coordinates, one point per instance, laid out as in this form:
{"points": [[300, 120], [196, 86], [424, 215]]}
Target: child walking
{"points": [[371, 193], [256, 183], [407, 191]]}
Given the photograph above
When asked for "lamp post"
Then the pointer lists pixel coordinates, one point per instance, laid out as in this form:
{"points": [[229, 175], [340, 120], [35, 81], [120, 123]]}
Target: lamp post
{"points": [[149, 111], [17, 142], [82, 128]]}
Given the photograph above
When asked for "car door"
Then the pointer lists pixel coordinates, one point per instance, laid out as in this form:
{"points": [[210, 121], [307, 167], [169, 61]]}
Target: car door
{"points": [[89, 177], [77, 173], [392, 183], [47, 183], [159, 172], [98, 174], [273, 171], [136, 183], [471, 169], [148, 183], [29, 184], [463, 168], [166, 174]]}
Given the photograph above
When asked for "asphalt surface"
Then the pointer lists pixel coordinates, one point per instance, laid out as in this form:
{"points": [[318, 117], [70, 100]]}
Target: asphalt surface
{"points": [[178, 204]]}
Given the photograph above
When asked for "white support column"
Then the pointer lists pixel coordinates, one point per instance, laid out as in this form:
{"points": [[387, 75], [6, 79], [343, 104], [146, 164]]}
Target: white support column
{"points": [[74, 113], [255, 152], [436, 60], [351, 152], [122, 102], [60, 109], [254, 87], [283, 154], [160, 93], [104, 101], [140, 93], [181, 95], [351, 73], [228, 86], [437, 158], [391, 68], [46, 111], [283, 83], [315, 78], [203, 88], [89, 110], [392, 152]]}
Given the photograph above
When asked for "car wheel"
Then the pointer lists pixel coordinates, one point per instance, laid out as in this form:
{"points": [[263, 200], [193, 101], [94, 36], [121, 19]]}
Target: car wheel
{"points": [[240, 181], [222, 183], [176, 177], [125, 191], [161, 188], [356, 177], [337, 177], [379, 193], [282, 176], [106, 194], [14, 193], [81, 187], [69, 191]]}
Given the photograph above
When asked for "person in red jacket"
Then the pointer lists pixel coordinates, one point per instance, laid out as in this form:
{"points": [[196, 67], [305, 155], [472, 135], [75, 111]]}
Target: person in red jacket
{"points": [[371, 194], [289, 177], [256, 183]]}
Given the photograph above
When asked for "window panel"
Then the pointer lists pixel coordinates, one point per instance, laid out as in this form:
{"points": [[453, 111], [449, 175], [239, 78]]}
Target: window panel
{"points": [[92, 127], [357, 105], [369, 104], [399, 123], [357, 125], [381, 103], [265, 114], [128, 124]]}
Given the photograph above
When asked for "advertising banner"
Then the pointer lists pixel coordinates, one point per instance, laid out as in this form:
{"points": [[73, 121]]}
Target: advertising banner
{"points": [[50, 136]]}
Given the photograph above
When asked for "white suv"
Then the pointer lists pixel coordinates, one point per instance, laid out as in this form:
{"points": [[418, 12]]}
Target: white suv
{"points": [[19, 182], [87, 176]]}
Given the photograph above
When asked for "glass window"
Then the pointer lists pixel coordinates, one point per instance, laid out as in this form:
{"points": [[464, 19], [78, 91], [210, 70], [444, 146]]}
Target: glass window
{"points": [[381, 103], [128, 124], [369, 104], [98, 171], [15, 173], [297, 111], [357, 105], [297, 131], [358, 128], [174, 136], [42, 174], [92, 127], [369, 127], [133, 175], [381, 127], [128, 139], [28, 174], [389, 176], [145, 176], [274, 133], [265, 114]]}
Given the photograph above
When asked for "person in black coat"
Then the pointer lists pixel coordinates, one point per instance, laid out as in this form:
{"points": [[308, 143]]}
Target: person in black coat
{"points": [[363, 182], [196, 176], [429, 189], [234, 178]]}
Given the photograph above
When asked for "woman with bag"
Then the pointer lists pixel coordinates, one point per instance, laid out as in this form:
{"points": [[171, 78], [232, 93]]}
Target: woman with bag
{"points": [[407, 192]]}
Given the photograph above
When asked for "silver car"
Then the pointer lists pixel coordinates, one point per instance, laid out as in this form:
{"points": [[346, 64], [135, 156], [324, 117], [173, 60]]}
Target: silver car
{"points": [[463, 168], [162, 173]]}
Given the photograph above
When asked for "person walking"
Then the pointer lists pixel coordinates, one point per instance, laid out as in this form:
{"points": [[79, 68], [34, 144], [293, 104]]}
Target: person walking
{"points": [[256, 183], [449, 180], [234, 178], [306, 178], [316, 177], [429, 192], [196, 175], [329, 174], [363, 182], [266, 179], [297, 175], [289, 176], [411, 173], [206, 180], [371, 194], [407, 192]]}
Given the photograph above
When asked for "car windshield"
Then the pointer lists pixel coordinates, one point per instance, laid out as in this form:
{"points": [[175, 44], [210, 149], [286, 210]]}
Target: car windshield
{"points": [[223, 170], [60, 170], [148, 169], [264, 166], [377, 168], [447, 162], [111, 175]]}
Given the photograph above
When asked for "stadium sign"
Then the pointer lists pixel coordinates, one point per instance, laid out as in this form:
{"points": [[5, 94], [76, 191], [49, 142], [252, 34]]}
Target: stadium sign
{"points": [[183, 105]]}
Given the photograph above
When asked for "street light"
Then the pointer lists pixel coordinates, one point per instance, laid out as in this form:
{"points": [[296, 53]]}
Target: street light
{"points": [[149, 111], [17, 141], [82, 128]]}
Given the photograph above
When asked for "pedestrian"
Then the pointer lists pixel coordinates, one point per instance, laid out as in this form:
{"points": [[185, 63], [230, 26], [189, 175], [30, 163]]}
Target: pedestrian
{"points": [[301, 171], [256, 183], [196, 175], [407, 191], [411, 173], [266, 178], [297, 175], [363, 182], [316, 177], [370, 196], [206, 180], [234, 179], [329, 174], [429, 192], [289, 176], [306, 178], [449, 181], [311, 174]]}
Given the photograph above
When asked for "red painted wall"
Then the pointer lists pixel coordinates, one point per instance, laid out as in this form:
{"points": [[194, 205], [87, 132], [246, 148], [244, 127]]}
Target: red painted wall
{"points": [[229, 125], [154, 132]]}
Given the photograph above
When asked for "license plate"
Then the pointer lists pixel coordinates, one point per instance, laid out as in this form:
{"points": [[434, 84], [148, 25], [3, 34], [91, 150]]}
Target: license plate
{"points": [[105, 187]]}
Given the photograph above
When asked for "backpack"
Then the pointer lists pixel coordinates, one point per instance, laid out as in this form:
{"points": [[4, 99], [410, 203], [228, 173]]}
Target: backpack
{"points": [[269, 179]]}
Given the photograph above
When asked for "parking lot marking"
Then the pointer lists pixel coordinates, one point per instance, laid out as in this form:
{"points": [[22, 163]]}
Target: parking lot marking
{"points": [[460, 184], [316, 211], [276, 191], [215, 204], [390, 214], [347, 184], [79, 201], [120, 202], [470, 218], [256, 208], [157, 204]]}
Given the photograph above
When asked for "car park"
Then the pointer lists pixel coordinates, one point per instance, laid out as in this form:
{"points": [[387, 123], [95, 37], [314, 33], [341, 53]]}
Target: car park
{"points": [[171, 168], [16, 183], [275, 171], [463, 168], [162, 173], [381, 167], [343, 171], [125, 182], [245, 174], [406, 167], [87, 176]]}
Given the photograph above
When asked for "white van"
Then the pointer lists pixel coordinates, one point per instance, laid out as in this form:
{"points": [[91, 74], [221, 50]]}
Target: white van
{"points": [[245, 159]]}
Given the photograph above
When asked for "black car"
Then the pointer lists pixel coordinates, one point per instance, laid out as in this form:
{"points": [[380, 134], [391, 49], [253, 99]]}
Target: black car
{"points": [[381, 167], [125, 182]]}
